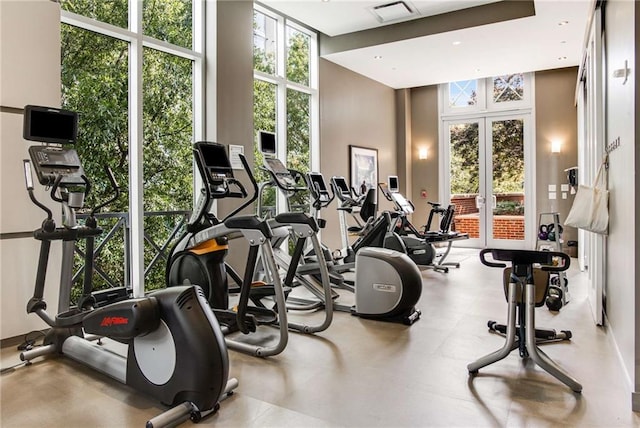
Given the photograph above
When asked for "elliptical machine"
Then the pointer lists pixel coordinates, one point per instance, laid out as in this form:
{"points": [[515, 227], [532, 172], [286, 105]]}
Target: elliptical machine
{"points": [[176, 352], [199, 254], [387, 283]]}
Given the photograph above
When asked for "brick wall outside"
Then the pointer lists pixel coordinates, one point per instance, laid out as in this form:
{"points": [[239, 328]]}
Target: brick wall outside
{"points": [[504, 226]]}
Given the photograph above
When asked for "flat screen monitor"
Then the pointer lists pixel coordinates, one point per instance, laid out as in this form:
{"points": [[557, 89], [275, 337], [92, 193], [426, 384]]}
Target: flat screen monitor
{"points": [[50, 125], [215, 158], [267, 142], [317, 181], [392, 184], [341, 185]]}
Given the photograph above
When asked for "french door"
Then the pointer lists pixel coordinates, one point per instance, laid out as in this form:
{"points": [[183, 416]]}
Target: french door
{"points": [[488, 175]]}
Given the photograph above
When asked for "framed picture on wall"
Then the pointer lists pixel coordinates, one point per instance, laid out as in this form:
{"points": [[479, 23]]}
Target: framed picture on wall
{"points": [[363, 168]]}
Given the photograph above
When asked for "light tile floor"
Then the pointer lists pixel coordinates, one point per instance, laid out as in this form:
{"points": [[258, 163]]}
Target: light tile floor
{"points": [[363, 373]]}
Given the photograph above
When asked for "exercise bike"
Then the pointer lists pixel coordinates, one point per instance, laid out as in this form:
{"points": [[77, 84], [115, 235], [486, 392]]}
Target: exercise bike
{"points": [[175, 349]]}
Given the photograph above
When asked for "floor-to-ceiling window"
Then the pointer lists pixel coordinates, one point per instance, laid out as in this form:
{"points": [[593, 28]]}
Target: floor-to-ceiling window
{"points": [[487, 165], [133, 70], [285, 97]]}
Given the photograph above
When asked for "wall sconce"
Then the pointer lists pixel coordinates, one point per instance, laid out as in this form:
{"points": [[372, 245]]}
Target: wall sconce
{"points": [[422, 154], [556, 146]]}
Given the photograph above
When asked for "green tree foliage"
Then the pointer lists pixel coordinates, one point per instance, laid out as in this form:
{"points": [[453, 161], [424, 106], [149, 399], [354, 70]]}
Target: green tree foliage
{"points": [[113, 12], [170, 21], [507, 157], [95, 83], [464, 158]]}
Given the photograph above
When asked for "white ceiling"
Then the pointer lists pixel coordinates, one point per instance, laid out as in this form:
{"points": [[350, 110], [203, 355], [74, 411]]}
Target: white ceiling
{"points": [[526, 44]]}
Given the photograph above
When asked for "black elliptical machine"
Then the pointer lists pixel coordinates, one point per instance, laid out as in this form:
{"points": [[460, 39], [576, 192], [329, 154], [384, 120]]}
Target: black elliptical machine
{"points": [[176, 352], [199, 257]]}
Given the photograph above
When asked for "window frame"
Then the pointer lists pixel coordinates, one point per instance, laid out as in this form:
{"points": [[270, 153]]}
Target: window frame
{"points": [[137, 42], [282, 85], [485, 104]]}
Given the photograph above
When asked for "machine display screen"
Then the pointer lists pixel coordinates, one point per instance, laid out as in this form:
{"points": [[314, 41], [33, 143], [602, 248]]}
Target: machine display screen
{"points": [[341, 184], [267, 142], [50, 125], [276, 166], [318, 181], [392, 183], [215, 158]]}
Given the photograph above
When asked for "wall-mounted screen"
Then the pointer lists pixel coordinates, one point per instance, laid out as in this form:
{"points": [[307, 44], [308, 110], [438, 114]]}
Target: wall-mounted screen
{"points": [[267, 142], [50, 125]]}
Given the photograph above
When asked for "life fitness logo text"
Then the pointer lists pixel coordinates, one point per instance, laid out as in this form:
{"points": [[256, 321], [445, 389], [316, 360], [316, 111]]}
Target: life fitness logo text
{"points": [[111, 321]]}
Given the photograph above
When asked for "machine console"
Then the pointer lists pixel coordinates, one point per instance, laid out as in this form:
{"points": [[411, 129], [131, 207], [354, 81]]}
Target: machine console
{"points": [[341, 188], [50, 162], [402, 203], [280, 173], [319, 187], [53, 127], [216, 167]]}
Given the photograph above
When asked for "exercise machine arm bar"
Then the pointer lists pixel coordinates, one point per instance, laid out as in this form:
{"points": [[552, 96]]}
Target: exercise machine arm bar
{"points": [[29, 183], [254, 184], [114, 186]]}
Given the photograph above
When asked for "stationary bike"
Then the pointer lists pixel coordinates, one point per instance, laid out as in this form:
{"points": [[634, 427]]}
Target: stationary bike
{"points": [[176, 352]]}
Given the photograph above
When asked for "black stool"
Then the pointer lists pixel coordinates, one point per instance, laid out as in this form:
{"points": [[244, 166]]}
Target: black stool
{"points": [[523, 296]]}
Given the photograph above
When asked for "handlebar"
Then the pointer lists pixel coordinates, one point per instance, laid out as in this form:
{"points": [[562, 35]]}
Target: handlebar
{"points": [[28, 178], [243, 191], [114, 186], [526, 257]]}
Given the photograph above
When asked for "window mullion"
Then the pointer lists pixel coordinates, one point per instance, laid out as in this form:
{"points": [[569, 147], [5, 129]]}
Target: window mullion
{"points": [[169, 48], [136, 181], [99, 27]]}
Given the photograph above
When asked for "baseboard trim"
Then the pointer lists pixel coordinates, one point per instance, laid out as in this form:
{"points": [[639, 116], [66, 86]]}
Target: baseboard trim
{"points": [[635, 401], [21, 338]]}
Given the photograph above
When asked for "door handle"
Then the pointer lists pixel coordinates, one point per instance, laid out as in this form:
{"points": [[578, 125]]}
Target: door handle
{"points": [[480, 201], [494, 202]]}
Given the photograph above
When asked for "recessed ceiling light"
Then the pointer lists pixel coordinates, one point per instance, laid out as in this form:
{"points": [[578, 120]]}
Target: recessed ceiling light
{"points": [[456, 43], [562, 58], [561, 23], [377, 57]]}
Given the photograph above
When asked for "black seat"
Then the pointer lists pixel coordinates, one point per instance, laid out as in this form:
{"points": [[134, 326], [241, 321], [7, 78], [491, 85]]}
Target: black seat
{"points": [[526, 288], [369, 206]]}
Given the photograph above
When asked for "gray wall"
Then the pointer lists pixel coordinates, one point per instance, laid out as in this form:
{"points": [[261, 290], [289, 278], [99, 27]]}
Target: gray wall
{"points": [[234, 100], [30, 72], [621, 122], [556, 118], [354, 110], [424, 133]]}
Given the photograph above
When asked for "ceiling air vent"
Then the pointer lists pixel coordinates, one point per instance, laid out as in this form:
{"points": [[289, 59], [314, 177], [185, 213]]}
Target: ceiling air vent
{"points": [[394, 11]]}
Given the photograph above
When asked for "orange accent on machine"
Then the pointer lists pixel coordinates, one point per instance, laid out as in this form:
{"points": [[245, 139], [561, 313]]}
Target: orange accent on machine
{"points": [[209, 246]]}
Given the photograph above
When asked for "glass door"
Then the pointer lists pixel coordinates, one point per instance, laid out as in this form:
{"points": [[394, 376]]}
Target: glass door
{"points": [[464, 163], [488, 181]]}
